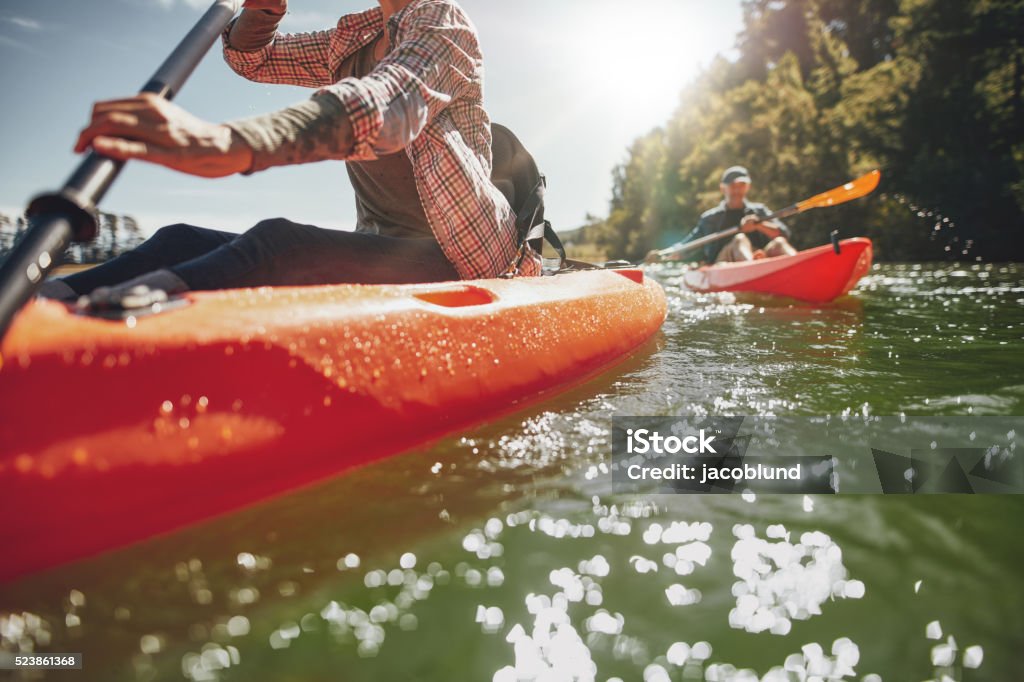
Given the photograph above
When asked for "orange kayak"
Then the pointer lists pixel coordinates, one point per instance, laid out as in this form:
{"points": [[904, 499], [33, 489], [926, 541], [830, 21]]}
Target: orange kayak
{"points": [[112, 431], [816, 275]]}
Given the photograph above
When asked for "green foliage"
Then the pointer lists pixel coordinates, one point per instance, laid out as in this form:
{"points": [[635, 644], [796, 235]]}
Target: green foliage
{"points": [[825, 90]]}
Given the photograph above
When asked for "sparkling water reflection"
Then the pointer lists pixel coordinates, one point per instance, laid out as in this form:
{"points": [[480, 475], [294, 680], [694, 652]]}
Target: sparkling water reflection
{"points": [[502, 555]]}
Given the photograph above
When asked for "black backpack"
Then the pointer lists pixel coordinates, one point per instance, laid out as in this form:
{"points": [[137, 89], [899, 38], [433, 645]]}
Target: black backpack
{"points": [[515, 173]]}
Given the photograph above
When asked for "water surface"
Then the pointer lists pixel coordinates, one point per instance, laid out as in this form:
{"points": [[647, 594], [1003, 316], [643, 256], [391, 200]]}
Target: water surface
{"points": [[421, 567]]}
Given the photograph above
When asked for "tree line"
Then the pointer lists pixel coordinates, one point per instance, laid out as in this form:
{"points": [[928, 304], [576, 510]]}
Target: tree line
{"points": [[116, 234], [822, 91]]}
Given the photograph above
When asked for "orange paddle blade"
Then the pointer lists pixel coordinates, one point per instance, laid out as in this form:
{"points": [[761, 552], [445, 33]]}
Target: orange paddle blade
{"points": [[856, 189]]}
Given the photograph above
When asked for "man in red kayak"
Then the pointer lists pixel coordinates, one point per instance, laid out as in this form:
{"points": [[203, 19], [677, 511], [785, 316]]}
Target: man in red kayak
{"points": [[759, 238], [399, 99]]}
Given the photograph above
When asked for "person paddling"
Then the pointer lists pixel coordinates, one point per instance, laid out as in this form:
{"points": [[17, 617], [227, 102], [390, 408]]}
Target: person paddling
{"points": [[399, 99], [759, 238]]}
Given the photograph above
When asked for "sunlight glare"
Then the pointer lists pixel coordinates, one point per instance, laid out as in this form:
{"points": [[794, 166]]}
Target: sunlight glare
{"points": [[635, 58]]}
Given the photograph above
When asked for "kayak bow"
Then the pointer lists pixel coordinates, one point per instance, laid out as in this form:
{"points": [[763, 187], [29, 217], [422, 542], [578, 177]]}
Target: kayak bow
{"points": [[816, 275], [237, 396]]}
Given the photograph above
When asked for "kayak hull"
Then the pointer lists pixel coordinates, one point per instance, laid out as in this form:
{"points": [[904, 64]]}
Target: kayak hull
{"points": [[114, 431], [818, 275]]}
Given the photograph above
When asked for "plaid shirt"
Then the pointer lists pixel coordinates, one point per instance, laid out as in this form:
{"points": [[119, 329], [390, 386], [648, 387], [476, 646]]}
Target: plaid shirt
{"points": [[426, 98]]}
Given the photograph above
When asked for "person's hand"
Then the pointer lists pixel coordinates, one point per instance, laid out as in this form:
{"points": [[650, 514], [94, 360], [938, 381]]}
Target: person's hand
{"points": [[653, 257], [750, 223], [272, 6], [150, 128]]}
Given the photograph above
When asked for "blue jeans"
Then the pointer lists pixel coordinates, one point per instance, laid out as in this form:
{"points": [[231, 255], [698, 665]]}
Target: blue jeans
{"points": [[275, 252]]}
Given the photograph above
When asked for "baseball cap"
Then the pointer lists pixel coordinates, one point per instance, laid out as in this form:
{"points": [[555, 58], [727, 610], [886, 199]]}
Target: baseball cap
{"points": [[736, 174]]}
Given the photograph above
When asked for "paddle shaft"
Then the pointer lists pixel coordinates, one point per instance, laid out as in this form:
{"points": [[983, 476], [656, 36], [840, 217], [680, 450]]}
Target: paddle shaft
{"points": [[69, 214], [725, 234]]}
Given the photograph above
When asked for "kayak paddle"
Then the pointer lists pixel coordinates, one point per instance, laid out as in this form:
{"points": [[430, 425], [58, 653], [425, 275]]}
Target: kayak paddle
{"points": [[69, 214], [855, 189]]}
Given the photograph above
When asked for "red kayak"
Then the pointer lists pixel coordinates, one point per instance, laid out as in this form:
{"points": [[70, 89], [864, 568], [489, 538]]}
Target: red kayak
{"points": [[816, 275], [114, 430]]}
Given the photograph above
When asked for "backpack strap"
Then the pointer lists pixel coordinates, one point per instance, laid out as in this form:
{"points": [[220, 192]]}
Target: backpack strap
{"points": [[534, 230], [515, 173]]}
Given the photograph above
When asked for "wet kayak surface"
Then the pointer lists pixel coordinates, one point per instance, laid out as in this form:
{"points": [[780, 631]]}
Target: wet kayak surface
{"points": [[421, 566]]}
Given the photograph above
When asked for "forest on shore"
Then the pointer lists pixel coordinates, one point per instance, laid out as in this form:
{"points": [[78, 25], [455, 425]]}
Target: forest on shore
{"points": [[115, 235], [822, 91]]}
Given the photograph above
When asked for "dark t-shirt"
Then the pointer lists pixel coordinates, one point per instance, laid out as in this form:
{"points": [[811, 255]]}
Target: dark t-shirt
{"points": [[722, 218], [387, 200]]}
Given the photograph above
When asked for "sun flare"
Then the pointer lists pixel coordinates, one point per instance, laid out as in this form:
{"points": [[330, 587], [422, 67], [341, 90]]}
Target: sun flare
{"points": [[637, 62]]}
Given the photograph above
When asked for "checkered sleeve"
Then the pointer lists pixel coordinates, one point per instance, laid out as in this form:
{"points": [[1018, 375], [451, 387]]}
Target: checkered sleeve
{"points": [[290, 59], [424, 73], [304, 59]]}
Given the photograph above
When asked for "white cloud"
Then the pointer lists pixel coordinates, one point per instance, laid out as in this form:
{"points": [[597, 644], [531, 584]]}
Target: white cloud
{"points": [[24, 23]]}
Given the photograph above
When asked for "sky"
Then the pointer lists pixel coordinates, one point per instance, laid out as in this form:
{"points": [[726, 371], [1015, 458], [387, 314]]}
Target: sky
{"points": [[576, 80]]}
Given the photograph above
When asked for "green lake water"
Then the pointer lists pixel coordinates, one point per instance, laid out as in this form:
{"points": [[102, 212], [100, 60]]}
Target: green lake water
{"points": [[386, 573]]}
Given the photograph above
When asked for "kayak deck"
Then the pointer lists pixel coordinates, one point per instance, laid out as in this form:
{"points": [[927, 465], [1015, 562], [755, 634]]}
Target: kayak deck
{"points": [[113, 431], [817, 275]]}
